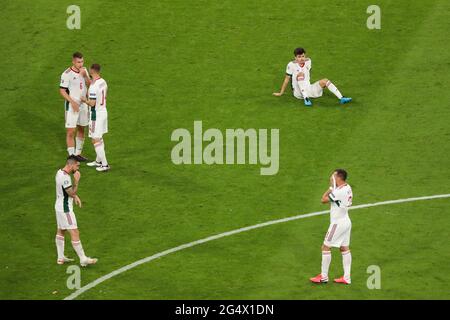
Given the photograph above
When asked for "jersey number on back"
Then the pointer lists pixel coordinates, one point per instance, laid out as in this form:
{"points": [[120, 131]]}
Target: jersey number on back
{"points": [[103, 97]]}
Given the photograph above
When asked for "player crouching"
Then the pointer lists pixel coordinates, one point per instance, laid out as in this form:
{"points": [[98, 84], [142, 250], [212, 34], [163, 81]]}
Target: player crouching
{"points": [[98, 121]]}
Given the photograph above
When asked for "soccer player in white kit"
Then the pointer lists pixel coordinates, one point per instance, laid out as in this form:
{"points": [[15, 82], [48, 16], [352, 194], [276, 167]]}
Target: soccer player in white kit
{"points": [[66, 194], [299, 72], [74, 83], [98, 122], [340, 196]]}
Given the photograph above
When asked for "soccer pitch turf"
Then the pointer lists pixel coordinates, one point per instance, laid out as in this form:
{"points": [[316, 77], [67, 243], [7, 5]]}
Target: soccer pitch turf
{"points": [[170, 63]]}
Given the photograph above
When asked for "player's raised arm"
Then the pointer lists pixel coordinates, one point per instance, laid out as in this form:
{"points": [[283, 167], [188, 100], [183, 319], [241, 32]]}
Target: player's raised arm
{"points": [[85, 73], [72, 190], [287, 78], [326, 196], [91, 99]]}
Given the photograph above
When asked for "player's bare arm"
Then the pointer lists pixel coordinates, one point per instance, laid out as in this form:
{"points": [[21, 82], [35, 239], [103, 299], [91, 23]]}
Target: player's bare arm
{"points": [[84, 72], [77, 200], [65, 95], [72, 191], [76, 178], [325, 197], [89, 102], [287, 78]]}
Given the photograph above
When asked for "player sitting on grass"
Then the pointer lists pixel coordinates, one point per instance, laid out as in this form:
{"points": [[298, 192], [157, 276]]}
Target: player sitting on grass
{"points": [[299, 72]]}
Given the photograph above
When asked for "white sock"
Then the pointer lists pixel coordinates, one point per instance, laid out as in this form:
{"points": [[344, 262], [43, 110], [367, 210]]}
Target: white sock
{"points": [[347, 263], [326, 260], [333, 89], [59, 240], [79, 146], [71, 150], [100, 150], [78, 249]]}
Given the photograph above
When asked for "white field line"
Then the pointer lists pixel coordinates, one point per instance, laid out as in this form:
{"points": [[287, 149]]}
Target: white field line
{"points": [[114, 273]]}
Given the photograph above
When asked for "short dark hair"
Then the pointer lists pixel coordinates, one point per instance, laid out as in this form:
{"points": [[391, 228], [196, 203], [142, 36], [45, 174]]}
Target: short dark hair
{"points": [[77, 54], [96, 67], [299, 51], [341, 173], [72, 159]]}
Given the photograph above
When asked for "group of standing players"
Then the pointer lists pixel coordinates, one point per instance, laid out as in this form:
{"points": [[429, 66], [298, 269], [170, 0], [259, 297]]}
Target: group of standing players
{"points": [[84, 92]]}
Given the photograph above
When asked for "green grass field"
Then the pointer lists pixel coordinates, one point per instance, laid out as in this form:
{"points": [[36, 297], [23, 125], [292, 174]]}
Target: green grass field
{"points": [[170, 63]]}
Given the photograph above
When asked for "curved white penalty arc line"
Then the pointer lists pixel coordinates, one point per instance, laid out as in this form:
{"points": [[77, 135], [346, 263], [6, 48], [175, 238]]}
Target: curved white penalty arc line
{"points": [[229, 233]]}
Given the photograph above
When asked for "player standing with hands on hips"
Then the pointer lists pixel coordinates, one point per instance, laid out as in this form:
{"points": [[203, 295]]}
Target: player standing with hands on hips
{"points": [[340, 196], [66, 194]]}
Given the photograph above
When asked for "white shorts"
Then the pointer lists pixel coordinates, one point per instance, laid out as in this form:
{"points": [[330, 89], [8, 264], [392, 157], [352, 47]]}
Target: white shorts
{"points": [[313, 91], [338, 234], [66, 220], [98, 124], [73, 118]]}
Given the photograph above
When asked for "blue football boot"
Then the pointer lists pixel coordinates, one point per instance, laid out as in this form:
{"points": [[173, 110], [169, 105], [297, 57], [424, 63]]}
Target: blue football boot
{"points": [[307, 102], [344, 100]]}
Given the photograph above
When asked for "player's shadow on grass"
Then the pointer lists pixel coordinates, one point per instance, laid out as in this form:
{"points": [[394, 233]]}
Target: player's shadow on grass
{"points": [[289, 101]]}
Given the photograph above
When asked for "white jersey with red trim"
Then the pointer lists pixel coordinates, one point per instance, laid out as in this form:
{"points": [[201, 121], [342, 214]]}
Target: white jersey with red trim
{"points": [[299, 71], [75, 83], [340, 199], [98, 91], [63, 203]]}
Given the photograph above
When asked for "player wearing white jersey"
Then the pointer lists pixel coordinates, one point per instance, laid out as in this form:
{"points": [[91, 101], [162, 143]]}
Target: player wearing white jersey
{"points": [[340, 197], [66, 194], [299, 73], [73, 86], [98, 122]]}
